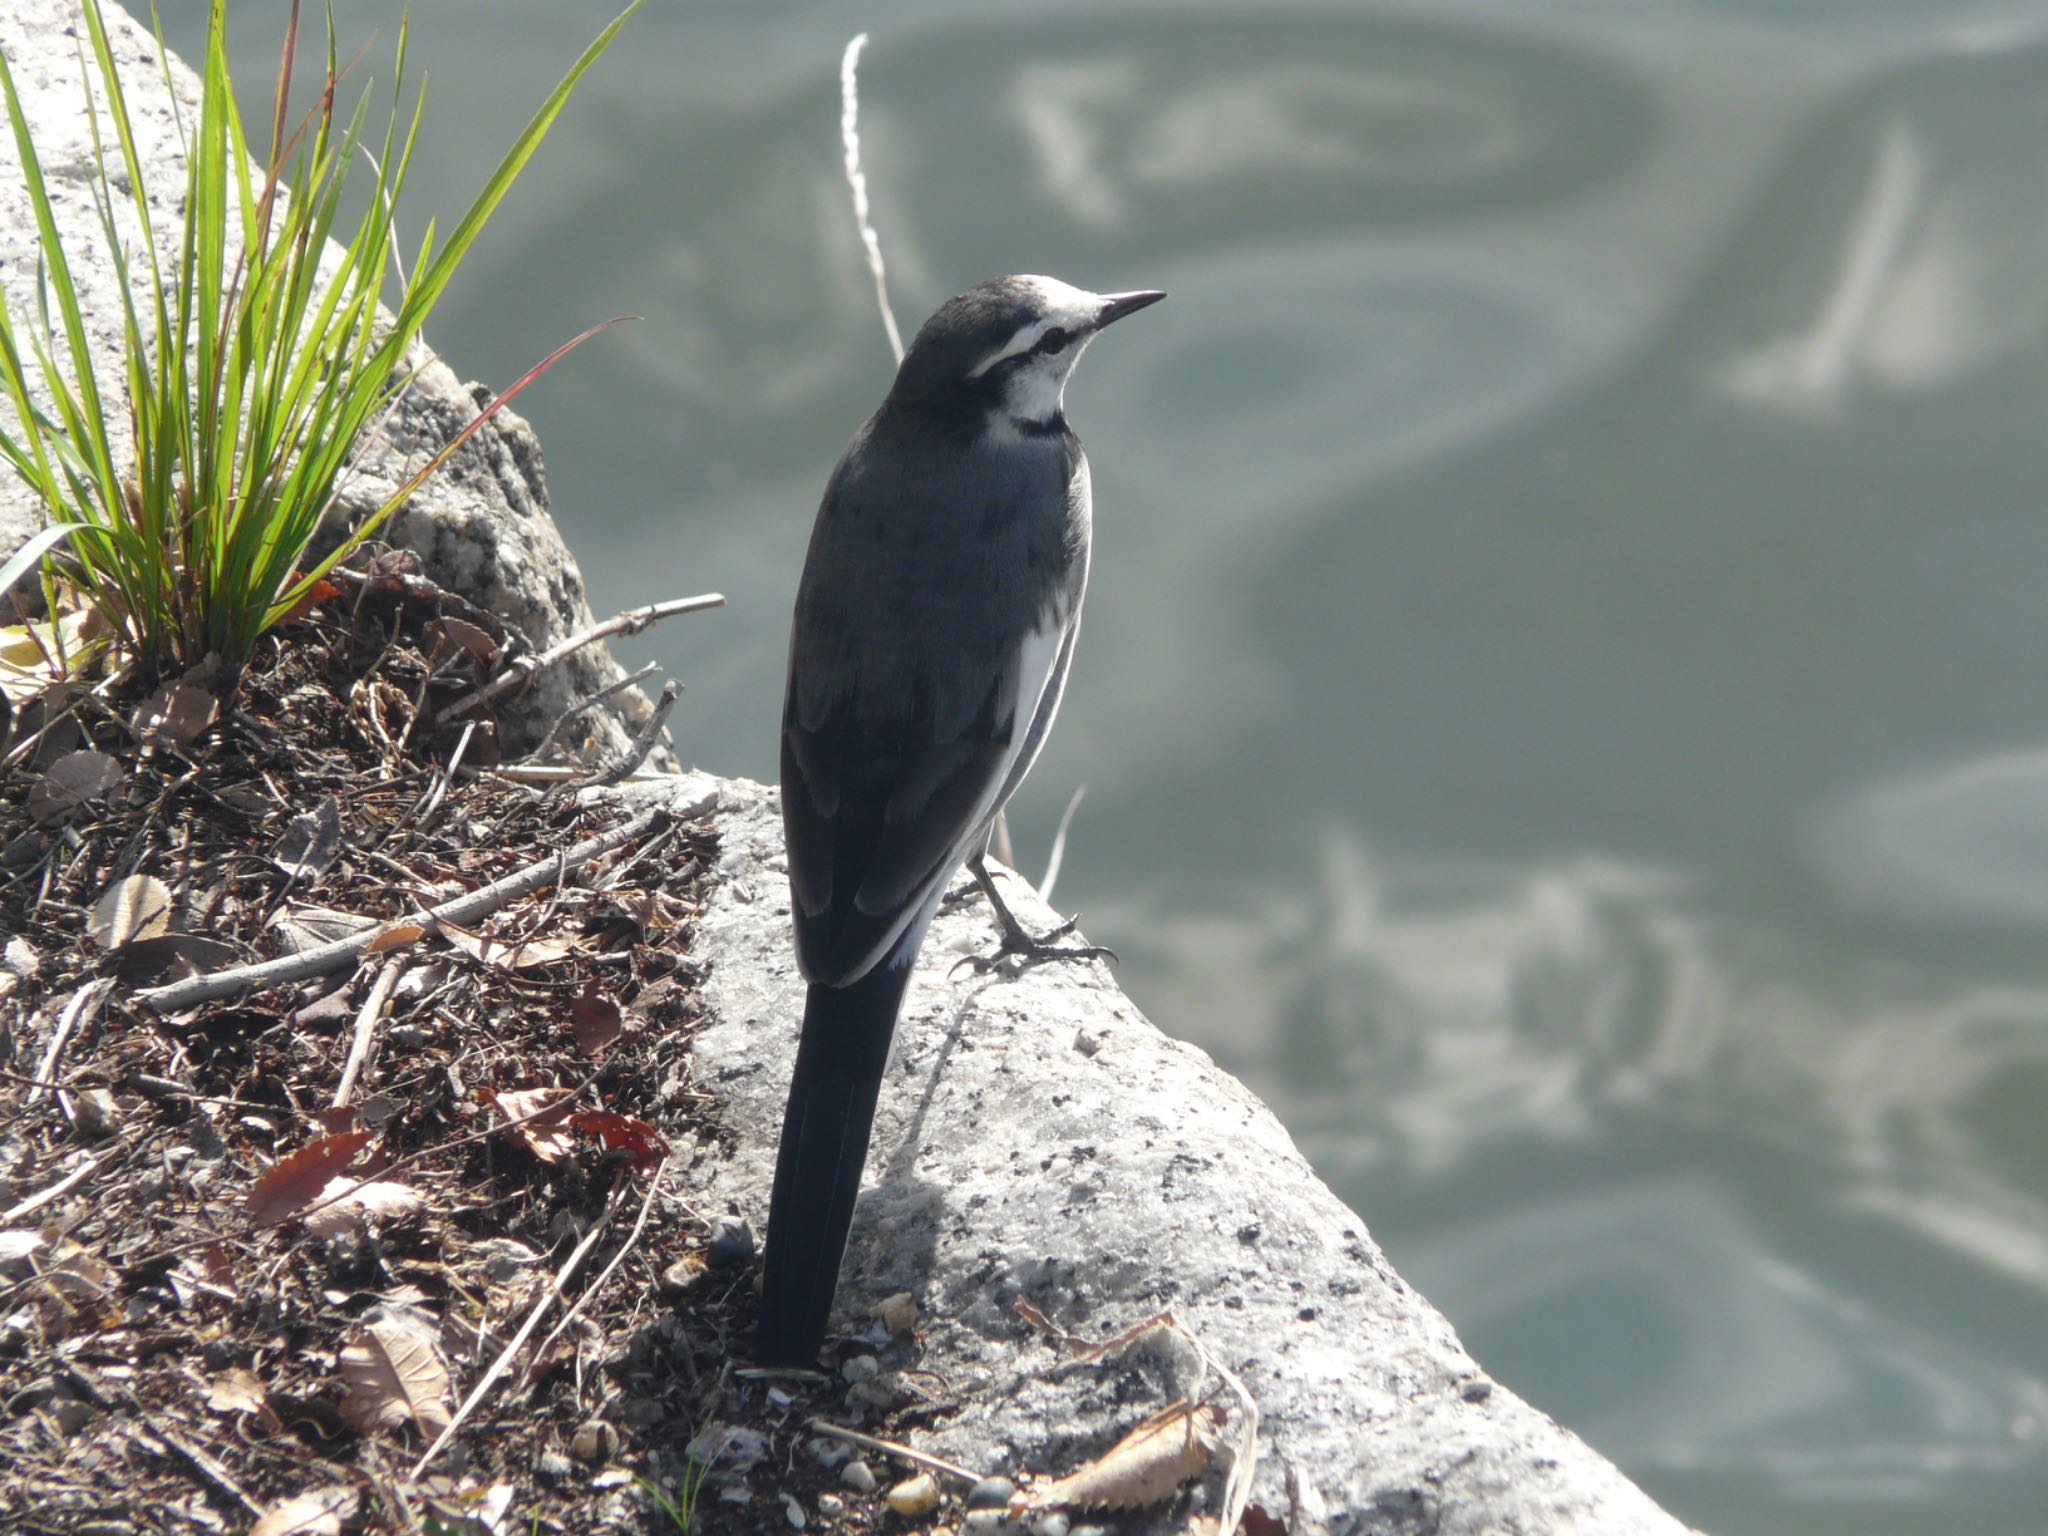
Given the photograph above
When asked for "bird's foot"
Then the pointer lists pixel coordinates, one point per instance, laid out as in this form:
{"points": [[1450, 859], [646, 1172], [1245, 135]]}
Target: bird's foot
{"points": [[1020, 945]]}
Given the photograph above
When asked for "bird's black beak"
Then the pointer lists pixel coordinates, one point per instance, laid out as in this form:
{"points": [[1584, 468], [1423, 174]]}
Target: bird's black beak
{"points": [[1116, 305]]}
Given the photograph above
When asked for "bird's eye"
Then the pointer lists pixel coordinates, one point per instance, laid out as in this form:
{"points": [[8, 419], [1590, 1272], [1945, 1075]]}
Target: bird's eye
{"points": [[1051, 342]]}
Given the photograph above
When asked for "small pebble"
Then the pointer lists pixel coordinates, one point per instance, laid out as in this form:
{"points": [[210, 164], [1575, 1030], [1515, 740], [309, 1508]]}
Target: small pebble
{"points": [[830, 1504], [991, 1493], [858, 1476], [1052, 1523], [859, 1368], [1477, 1390], [594, 1440], [794, 1512], [826, 1451], [731, 1244], [554, 1466], [914, 1496]]}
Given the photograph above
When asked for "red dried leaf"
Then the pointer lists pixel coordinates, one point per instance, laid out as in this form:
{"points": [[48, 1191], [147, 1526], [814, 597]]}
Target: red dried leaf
{"points": [[320, 592], [597, 1022], [293, 1182], [622, 1133], [546, 1133]]}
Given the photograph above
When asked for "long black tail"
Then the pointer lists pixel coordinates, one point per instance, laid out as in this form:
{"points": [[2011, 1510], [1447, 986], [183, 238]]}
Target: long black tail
{"points": [[839, 1061]]}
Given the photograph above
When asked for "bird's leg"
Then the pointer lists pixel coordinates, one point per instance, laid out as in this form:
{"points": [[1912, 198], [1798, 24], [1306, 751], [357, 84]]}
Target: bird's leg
{"points": [[1020, 943]]}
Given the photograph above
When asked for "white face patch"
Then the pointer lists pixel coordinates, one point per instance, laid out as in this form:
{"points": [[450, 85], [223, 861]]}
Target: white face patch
{"points": [[1063, 306]]}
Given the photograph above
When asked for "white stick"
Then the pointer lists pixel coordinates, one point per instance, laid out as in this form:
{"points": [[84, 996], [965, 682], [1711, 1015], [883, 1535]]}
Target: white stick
{"points": [[366, 1027], [857, 183]]}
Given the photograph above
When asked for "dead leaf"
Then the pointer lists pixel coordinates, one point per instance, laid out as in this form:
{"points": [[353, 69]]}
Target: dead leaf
{"points": [[1148, 1466], [294, 1182], [317, 1513], [138, 907], [448, 637], [393, 1369], [546, 1134], [311, 842], [525, 955], [596, 1021], [190, 953], [397, 936], [897, 1314], [344, 1205], [235, 1390], [320, 592], [74, 781], [622, 1133], [310, 927], [173, 717]]}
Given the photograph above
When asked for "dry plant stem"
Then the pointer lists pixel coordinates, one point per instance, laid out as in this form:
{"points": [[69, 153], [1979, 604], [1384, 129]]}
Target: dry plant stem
{"points": [[857, 184], [891, 1448], [596, 1287], [540, 1307], [85, 1000], [211, 1470], [56, 1191], [589, 701], [366, 1028], [463, 909], [642, 744], [558, 773], [630, 622]]}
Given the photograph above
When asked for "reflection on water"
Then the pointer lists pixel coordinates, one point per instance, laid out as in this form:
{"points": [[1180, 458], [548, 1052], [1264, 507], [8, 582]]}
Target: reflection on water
{"points": [[1566, 663], [1725, 1133]]}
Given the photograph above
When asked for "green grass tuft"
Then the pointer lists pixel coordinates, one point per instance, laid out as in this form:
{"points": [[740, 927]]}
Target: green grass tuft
{"points": [[250, 374]]}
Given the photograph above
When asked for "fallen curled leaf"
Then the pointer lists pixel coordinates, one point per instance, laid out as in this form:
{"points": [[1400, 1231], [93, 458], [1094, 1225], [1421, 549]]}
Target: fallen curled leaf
{"points": [[316, 1513], [1148, 1466], [345, 1205], [235, 1390], [394, 1373], [448, 637], [397, 936], [138, 907], [546, 1132], [321, 591], [596, 1021], [524, 955], [897, 1314], [173, 717], [311, 842], [622, 1133], [294, 1182], [74, 781]]}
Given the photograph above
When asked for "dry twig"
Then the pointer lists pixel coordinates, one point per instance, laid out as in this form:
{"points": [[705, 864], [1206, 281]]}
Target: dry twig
{"points": [[630, 622], [463, 909], [890, 1448], [366, 1027]]}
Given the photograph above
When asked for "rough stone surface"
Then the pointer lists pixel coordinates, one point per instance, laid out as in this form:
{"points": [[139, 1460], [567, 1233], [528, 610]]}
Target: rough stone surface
{"points": [[481, 524], [1038, 1137]]}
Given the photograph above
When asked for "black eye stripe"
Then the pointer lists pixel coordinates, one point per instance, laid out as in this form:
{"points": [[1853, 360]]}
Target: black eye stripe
{"points": [[1052, 341]]}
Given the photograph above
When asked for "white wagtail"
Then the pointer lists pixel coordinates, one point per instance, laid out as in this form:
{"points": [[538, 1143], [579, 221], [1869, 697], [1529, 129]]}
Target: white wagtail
{"points": [[934, 625]]}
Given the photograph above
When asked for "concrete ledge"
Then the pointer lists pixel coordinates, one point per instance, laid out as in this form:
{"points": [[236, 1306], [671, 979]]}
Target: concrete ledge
{"points": [[1038, 1137]]}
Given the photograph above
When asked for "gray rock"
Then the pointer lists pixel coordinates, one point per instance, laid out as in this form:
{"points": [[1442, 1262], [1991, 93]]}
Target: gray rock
{"points": [[1103, 1186], [481, 525]]}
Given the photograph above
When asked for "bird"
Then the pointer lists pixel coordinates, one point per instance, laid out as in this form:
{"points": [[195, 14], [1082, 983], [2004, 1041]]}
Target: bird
{"points": [[935, 622]]}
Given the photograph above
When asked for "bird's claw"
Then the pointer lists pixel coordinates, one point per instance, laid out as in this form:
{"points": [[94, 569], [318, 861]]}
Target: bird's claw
{"points": [[1028, 951]]}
